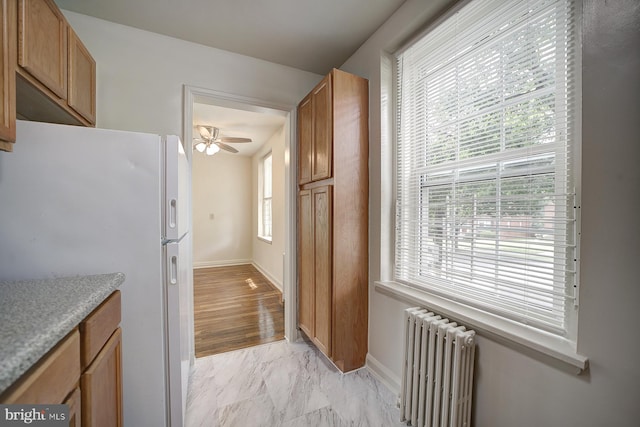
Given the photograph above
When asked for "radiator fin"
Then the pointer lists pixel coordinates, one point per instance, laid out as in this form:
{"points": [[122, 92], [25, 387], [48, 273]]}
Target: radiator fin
{"points": [[437, 375]]}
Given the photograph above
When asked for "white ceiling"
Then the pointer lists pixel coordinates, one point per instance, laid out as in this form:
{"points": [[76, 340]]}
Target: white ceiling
{"points": [[238, 123], [311, 35]]}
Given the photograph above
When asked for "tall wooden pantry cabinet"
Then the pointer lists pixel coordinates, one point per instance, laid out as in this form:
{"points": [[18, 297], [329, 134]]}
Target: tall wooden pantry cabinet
{"points": [[333, 138]]}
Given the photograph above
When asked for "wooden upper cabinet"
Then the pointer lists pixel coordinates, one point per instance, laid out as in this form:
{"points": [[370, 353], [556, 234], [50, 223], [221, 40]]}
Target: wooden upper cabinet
{"points": [[315, 136], [42, 44], [305, 138], [82, 79], [322, 130], [47, 74], [7, 76]]}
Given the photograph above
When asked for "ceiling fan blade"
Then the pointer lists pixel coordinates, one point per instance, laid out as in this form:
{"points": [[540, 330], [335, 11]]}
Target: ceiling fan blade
{"points": [[226, 147], [206, 132], [233, 139], [199, 140]]}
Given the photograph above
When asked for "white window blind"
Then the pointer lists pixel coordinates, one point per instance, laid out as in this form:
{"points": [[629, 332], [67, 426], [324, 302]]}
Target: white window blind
{"points": [[266, 196], [485, 191]]}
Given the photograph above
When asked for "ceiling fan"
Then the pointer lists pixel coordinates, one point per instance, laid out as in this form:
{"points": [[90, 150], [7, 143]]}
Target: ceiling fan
{"points": [[211, 142]]}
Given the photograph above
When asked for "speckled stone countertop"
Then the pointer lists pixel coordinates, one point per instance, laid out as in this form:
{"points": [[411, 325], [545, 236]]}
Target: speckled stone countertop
{"points": [[35, 315]]}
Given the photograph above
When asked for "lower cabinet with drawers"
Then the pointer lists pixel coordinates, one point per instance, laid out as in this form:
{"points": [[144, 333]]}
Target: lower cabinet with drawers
{"points": [[83, 370]]}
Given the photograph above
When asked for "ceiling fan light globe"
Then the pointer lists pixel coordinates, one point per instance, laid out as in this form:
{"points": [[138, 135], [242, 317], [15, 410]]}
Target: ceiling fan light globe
{"points": [[212, 149], [200, 146]]}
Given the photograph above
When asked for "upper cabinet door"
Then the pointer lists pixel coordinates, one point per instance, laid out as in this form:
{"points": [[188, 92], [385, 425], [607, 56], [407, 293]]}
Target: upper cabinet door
{"points": [[7, 76], [42, 44], [305, 140], [82, 79], [322, 130]]}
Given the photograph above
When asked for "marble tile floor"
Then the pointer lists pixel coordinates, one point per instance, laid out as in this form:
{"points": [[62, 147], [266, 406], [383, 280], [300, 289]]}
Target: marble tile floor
{"points": [[285, 384]]}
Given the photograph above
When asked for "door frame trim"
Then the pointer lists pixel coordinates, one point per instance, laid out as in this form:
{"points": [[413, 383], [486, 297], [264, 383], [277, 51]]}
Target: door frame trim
{"points": [[193, 94]]}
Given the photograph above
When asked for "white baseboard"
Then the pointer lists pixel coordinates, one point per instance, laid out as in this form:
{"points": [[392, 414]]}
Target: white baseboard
{"points": [[224, 263], [268, 275], [383, 374]]}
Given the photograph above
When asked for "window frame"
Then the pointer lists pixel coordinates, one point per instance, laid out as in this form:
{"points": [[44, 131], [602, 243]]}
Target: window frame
{"points": [[563, 348], [262, 199]]}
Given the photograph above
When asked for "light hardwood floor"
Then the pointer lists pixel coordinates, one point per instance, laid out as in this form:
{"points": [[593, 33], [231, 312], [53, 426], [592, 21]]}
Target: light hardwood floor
{"points": [[235, 307]]}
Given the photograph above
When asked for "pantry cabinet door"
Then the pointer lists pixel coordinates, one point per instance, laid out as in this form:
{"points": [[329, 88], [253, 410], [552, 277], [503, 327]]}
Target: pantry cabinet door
{"points": [[322, 229], [305, 263]]}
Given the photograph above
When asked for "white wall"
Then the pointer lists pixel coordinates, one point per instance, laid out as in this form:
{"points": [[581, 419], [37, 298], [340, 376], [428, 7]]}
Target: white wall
{"points": [[516, 387], [140, 75], [226, 186], [140, 78], [268, 256], [222, 186]]}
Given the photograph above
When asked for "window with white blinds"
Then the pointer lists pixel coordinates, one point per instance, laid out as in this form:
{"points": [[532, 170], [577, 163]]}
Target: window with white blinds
{"points": [[486, 142], [267, 196]]}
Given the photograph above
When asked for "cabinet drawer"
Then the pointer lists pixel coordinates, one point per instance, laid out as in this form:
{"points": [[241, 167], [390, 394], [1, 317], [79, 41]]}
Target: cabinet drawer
{"points": [[52, 378], [97, 328]]}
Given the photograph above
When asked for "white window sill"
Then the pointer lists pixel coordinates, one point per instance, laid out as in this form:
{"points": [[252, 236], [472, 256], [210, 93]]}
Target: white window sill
{"points": [[265, 239], [548, 344]]}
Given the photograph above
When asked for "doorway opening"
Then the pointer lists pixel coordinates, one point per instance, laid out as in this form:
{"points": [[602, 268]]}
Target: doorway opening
{"points": [[231, 232]]}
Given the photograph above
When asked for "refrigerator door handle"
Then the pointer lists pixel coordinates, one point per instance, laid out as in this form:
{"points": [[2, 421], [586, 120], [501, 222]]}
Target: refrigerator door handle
{"points": [[172, 213], [172, 264], [175, 191]]}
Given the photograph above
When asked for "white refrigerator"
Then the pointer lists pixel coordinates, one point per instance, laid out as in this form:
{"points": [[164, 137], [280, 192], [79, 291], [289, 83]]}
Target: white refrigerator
{"points": [[76, 201]]}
